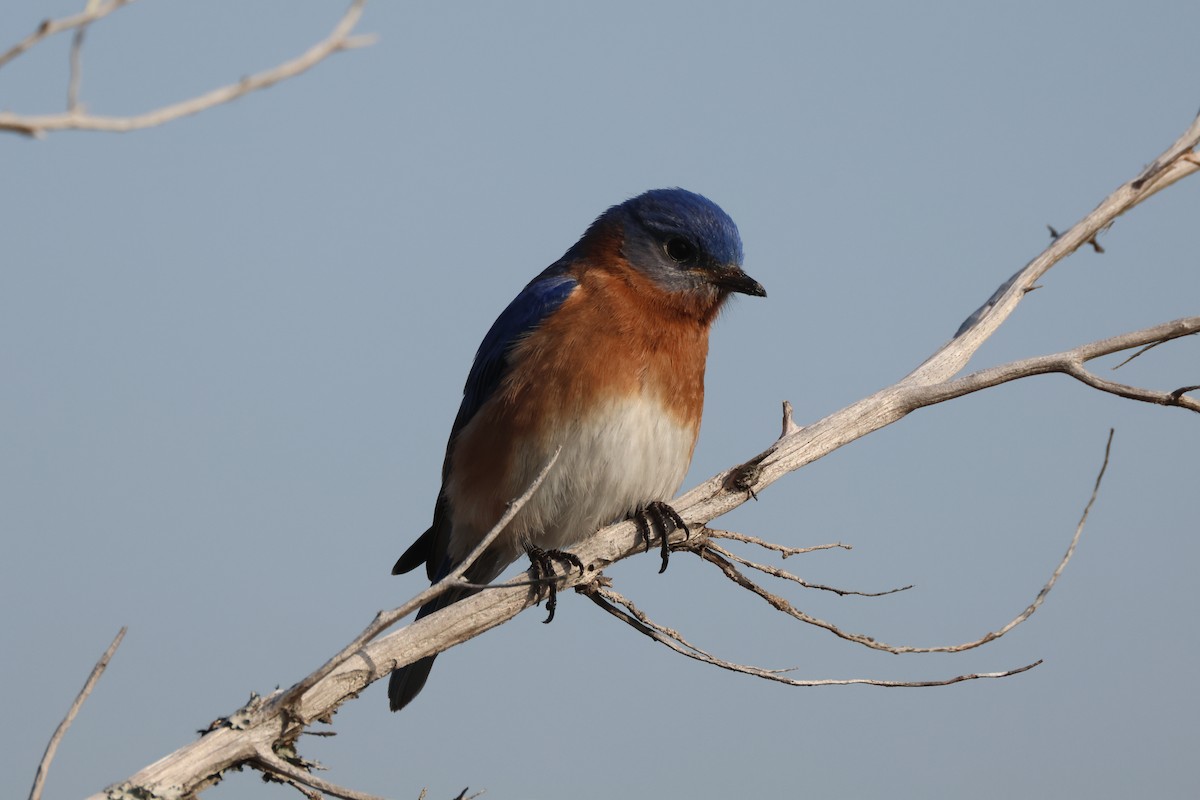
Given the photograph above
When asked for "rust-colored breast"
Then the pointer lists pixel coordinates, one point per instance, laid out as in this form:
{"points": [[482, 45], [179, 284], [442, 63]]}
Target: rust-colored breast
{"points": [[617, 335]]}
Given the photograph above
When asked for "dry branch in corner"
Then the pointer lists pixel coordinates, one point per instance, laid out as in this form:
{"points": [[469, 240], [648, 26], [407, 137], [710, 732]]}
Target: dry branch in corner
{"points": [[77, 118]]}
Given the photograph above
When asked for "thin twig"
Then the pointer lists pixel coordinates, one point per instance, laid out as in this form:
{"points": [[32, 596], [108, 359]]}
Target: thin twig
{"points": [[507, 517], [605, 598], [602, 587], [779, 548], [1150, 346], [775, 572], [1173, 398], [76, 69], [39, 779], [733, 573], [310, 794], [270, 763], [1062, 564], [781, 604]]}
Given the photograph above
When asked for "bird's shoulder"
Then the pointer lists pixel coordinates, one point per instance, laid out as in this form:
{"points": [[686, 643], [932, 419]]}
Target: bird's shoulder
{"points": [[540, 298]]}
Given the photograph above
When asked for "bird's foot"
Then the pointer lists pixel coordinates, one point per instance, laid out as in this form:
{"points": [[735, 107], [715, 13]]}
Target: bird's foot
{"points": [[654, 518], [542, 565]]}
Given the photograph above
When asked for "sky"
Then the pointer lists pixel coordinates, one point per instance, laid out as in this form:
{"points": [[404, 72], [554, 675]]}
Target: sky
{"points": [[232, 348]]}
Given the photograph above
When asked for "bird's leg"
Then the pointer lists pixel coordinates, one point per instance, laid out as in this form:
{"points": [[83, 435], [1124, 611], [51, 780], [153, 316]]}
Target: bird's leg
{"points": [[655, 515], [542, 565]]}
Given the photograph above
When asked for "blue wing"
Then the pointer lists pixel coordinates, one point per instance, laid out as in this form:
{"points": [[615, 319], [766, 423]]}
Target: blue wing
{"points": [[538, 300]]}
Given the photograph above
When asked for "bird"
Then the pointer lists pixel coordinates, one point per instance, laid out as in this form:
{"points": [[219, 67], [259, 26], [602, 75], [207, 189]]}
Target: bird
{"points": [[602, 355]]}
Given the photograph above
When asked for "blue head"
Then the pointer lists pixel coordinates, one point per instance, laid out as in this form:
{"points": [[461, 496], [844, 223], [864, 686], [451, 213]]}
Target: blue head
{"points": [[681, 240]]}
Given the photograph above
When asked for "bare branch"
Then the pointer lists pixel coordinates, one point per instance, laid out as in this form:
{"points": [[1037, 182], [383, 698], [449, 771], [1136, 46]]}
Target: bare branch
{"points": [[718, 556], [50, 27], [605, 598], [601, 593], [711, 553], [784, 606], [75, 119], [1071, 363], [39, 780], [1174, 164]]}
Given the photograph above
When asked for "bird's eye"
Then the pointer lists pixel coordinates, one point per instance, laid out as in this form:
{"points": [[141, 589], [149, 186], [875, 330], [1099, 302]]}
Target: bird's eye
{"points": [[680, 249]]}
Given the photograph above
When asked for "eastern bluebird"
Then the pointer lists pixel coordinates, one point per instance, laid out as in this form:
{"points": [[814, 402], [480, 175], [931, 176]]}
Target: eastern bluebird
{"points": [[602, 354]]}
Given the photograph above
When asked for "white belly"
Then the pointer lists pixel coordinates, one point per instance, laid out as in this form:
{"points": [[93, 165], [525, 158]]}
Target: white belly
{"points": [[624, 455]]}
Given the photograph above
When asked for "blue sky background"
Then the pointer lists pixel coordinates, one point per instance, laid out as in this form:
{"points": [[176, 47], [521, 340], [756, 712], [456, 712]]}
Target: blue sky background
{"points": [[232, 348]]}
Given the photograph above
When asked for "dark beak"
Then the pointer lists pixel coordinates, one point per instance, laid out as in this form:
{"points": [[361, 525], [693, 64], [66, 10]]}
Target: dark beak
{"points": [[732, 279]]}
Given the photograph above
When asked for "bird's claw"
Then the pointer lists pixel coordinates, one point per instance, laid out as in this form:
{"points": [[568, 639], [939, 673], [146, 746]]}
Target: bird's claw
{"points": [[654, 518], [542, 565]]}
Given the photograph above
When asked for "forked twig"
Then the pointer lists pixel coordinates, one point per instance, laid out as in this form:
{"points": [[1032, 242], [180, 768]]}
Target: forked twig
{"points": [[1071, 362], [608, 599], [50, 27], [709, 553]]}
